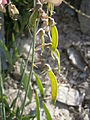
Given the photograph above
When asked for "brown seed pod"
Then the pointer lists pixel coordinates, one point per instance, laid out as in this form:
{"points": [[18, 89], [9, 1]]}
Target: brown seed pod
{"points": [[55, 2], [13, 11], [2, 8], [44, 15]]}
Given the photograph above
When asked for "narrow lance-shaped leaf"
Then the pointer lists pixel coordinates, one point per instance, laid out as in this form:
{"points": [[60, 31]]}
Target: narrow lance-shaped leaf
{"points": [[39, 83], [6, 52], [54, 84], [54, 33], [33, 18], [15, 56], [57, 56], [28, 117], [37, 106], [48, 116]]}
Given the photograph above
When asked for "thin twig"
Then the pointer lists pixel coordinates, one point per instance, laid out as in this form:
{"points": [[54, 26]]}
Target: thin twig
{"points": [[76, 10]]}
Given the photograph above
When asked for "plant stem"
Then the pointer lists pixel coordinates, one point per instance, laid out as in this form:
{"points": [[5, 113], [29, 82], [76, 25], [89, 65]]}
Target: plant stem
{"points": [[18, 93], [2, 92], [30, 74]]}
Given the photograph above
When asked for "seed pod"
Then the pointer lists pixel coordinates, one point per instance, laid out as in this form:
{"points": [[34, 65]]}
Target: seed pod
{"points": [[2, 8], [40, 32], [13, 11], [43, 1], [55, 2], [51, 21], [44, 15]]}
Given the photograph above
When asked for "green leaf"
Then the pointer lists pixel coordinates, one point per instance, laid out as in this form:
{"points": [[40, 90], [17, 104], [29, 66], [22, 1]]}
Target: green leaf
{"points": [[47, 112], [33, 18], [54, 85], [28, 117], [17, 113], [25, 82], [6, 52], [15, 52], [54, 33], [5, 102], [13, 104], [39, 83], [57, 56], [37, 106]]}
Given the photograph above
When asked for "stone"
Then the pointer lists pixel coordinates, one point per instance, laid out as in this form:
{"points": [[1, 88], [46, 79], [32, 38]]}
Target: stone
{"points": [[76, 58], [24, 45], [85, 21], [69, 96]]}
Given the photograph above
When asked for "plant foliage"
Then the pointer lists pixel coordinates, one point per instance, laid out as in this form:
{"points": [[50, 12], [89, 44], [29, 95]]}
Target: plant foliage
{"points": [[22, 16]]}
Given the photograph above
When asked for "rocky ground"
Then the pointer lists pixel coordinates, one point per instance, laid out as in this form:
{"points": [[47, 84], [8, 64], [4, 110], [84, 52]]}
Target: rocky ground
{"points": [[73, 101]]}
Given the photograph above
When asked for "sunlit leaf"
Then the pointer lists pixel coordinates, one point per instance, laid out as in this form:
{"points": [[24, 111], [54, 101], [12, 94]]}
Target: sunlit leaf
{"points": [[54, 84], [25, 82], [48, 116], [40, 86], [57, 56], [54, 33], [37, 106]]}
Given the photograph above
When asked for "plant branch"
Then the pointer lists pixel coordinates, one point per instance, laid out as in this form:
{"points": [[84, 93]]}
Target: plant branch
{"points": [[30, 74], [76, 10]]}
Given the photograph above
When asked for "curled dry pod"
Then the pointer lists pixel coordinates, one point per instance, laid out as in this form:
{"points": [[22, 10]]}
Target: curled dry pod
{"points": [[51, 21], [44, 15], [55, 2], [41, 33], [13, 11], [43, 1], [38, 4], [2, 8]]}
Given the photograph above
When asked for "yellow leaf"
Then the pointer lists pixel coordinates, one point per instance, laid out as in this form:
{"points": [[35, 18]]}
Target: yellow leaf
{"points": [[54, 33], [54, 85]]}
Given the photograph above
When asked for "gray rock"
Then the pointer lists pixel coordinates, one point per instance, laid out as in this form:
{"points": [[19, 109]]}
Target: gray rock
{"points": [[69, 96], [84, 21], [76, 58], [24, 45]]}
